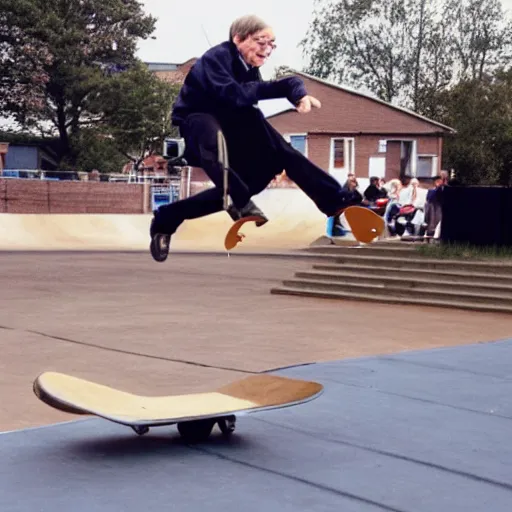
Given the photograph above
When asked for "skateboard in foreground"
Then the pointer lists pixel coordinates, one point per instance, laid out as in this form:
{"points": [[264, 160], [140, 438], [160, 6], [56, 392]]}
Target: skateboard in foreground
{"points": [[194, 414], [366, 225]]}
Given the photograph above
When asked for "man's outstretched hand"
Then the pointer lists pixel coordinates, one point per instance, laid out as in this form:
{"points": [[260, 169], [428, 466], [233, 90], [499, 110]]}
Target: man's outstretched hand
{"points": [[306, 103]]}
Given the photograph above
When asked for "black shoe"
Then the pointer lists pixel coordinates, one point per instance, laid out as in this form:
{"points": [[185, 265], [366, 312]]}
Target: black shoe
{"points": [[250, 209], [160, 243], [346, 199], [159, 246]]}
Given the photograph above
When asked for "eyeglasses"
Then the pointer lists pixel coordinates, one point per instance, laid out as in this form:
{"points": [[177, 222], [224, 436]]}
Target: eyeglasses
{"points": [[262, 42]]}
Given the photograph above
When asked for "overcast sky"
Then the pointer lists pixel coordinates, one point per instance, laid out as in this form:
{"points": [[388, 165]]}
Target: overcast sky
{"points": [[183, 27], [186, 28]]}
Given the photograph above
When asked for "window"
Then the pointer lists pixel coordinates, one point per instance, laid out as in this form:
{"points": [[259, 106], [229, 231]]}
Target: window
{"points": [[342, 155], [426, 166], [298, 141]]}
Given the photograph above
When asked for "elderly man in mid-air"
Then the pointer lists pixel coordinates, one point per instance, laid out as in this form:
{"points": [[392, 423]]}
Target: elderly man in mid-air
{"points": [[221, 94]]}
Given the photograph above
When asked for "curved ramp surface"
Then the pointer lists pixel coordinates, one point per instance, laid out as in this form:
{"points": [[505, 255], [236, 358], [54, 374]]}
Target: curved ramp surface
{"points": [[420, 431], [294, 223]]}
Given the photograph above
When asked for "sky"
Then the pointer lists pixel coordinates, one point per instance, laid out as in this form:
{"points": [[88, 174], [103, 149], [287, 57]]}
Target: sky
{"points": [[186, 28]]}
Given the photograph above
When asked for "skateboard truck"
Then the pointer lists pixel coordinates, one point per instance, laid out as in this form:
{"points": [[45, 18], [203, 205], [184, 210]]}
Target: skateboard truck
{"points": [[197, 430], [140, 430]]}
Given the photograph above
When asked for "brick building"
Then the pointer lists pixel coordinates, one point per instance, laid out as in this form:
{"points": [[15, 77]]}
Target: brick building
{"points": [[355, 132], [352, 132], [4, 147]]}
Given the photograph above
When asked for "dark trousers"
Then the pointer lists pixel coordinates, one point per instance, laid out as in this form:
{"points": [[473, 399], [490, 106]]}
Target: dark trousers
{"points": [[256, 153]]}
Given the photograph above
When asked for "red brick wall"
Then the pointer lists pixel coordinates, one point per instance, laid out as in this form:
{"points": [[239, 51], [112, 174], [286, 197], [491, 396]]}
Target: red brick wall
{"points": [[26, 196], [319, 150], [37, 196], [3, 191]]}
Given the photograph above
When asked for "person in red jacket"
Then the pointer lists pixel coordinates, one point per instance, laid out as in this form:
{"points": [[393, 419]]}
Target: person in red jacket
{"points": [[221, 94]]}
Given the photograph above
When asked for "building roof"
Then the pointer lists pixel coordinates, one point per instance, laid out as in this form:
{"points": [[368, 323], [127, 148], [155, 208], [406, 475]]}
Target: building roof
{"points": [[170, 71], [355, 92], [162, 66]]}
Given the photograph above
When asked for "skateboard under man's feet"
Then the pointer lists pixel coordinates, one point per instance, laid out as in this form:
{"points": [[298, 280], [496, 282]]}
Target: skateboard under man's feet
{"points": [[365, 224], [250, 213], [233, 236]]}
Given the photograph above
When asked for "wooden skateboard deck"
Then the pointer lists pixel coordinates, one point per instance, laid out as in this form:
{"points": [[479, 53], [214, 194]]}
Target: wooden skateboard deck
{"points": [[365, 224], [195, 414], [233, 237]]}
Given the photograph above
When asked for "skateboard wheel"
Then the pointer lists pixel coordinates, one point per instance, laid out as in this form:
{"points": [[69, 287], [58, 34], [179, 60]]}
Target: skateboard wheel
{"points": [[196, 431], [140, 430], [227, 425]]}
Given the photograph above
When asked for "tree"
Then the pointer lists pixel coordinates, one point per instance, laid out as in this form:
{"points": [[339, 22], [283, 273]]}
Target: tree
{"points": [[481, 39], [96, 151], [406, 51], [359, 42], [55, 55], [481, 112], [136, 108]]}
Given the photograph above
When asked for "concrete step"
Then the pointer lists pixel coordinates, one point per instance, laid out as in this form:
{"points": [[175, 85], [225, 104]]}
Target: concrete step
{"points": [[433, 281], [382, 271], [373, 250], [392, 299], [421, 292], [483, 267]]}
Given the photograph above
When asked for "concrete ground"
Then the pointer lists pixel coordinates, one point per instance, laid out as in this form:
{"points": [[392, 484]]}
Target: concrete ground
{"points": [[424, 431], [189, 324]]}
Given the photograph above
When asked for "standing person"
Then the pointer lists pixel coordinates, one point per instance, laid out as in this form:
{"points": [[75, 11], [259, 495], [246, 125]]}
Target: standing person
{"points": [[220, 94]]}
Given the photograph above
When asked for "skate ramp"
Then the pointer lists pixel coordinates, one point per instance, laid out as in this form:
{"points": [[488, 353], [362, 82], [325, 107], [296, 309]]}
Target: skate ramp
{"points": [[27, 232], [294, 223]]}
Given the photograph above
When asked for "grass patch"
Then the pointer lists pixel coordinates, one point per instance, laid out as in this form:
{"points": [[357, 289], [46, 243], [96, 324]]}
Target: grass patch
{"points": [[464, 252]]}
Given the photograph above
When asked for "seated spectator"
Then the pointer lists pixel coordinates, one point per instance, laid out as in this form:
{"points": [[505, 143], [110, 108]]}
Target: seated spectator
{"points": [[351, 186], [374, 191], [417, 199], [394, 187], [405, 213]]}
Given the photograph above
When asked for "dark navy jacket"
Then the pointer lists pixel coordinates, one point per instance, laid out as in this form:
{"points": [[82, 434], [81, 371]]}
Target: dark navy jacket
{"points": [[221, 83]]}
